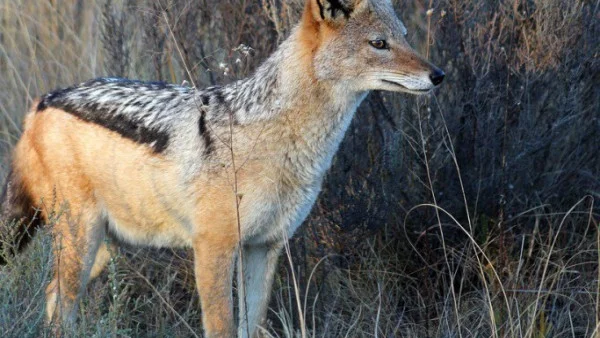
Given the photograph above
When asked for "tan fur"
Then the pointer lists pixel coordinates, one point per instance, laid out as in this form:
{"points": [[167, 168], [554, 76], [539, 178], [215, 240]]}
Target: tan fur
{"points": [[85, 175]]}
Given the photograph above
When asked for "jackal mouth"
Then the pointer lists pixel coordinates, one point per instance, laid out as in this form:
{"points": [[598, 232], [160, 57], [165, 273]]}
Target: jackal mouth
{"points": [[417, 91]]}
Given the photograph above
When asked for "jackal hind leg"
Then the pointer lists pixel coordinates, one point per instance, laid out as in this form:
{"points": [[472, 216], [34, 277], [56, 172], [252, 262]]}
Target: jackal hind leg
{"points": [[77, 237], [105, 252], [214, 258], [259, 264]]}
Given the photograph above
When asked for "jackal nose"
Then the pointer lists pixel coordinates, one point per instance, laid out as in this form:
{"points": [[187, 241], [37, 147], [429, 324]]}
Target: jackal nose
{"points": [[437, 76]]}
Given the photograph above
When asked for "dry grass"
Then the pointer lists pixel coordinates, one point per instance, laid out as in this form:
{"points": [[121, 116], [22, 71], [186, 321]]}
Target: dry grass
{"points": [[472, 213]]}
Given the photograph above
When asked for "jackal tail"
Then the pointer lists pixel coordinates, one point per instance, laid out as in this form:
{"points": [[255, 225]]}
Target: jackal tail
{"points": [[19, 218]]}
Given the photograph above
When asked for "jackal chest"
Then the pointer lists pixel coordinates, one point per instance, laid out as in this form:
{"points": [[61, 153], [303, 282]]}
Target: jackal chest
{"points": [[275, 211], [277, 192]]}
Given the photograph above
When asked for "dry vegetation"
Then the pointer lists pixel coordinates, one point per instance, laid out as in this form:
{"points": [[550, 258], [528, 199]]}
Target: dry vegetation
{"points": [[471, 213]]}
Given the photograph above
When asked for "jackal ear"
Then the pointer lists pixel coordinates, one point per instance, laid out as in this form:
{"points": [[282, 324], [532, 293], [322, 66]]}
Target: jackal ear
{"points": [[335, 12]]}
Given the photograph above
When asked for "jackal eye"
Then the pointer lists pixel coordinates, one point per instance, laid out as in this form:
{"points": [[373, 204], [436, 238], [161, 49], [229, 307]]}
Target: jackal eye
{"points": [[379, 44]]}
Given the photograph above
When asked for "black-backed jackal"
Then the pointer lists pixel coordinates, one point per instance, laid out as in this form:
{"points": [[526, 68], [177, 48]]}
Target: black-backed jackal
{"points": [[173, 166]]}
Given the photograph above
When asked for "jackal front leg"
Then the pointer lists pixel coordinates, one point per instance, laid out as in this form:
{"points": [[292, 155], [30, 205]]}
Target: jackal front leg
{"points": [[259, 264], [214, 258]]}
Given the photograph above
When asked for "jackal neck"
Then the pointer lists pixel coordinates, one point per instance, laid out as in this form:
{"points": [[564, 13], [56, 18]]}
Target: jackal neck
{"points": [[311, 116], [286, 82]]}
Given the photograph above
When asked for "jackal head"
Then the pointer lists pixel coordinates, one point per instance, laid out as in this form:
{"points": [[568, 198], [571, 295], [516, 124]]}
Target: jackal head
{"points": [[362, 43]]}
